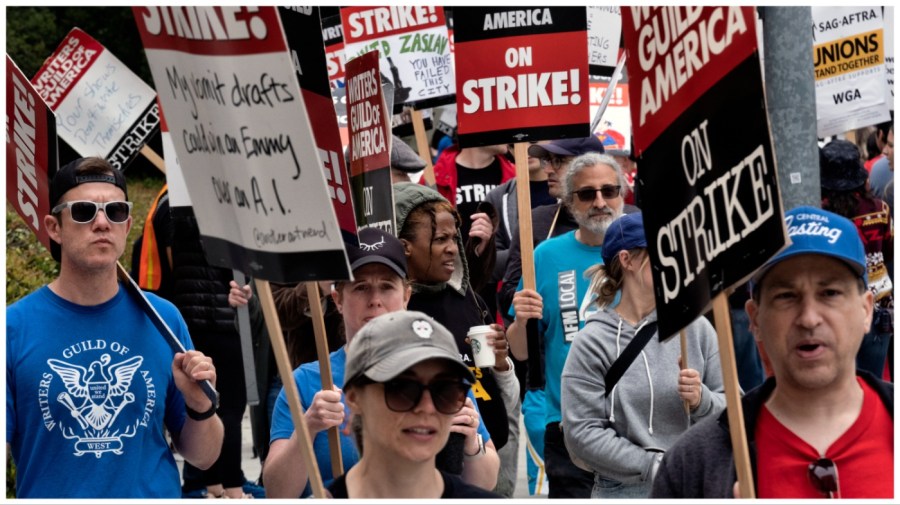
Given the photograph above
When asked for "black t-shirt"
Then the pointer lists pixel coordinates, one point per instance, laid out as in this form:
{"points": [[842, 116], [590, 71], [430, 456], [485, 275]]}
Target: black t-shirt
{"points": [[454, 487], [472, 187]]}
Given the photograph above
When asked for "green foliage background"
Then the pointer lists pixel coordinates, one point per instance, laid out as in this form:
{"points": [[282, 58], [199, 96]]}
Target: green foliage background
{"points": [[32, 34]]}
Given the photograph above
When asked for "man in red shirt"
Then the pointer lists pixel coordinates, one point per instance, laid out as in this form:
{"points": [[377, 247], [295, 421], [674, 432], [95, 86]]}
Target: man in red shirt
{"points": [[819, 428]]}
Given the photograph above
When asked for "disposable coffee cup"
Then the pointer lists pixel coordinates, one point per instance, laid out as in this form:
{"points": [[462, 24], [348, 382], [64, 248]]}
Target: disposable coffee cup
{"points": [[481, 350]]}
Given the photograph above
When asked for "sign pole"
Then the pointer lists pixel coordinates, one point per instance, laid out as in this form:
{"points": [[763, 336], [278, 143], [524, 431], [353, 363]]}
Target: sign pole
{"points": [[154, 158], [684, 364], [523, 195], [264, 291], [733, 396], [318, 320], [422, 144]]}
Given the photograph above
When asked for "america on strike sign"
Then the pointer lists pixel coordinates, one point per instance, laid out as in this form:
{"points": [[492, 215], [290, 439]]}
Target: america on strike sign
{"points": [[244, 141], [521, 74]]}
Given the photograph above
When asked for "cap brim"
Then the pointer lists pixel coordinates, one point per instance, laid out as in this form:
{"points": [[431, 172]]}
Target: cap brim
{"points": [[377, 259], [859, 270], [544, 150], [400, 361]]}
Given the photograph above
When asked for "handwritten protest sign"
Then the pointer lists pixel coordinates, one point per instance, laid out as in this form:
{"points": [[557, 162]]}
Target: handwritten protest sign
{"points": [[413, 44], [370, 148], [604, 25], [102, 108], [177, 187], [708, 184], [30, 151], [521, 74], [849, 59], [243, 138], [301, 26]]}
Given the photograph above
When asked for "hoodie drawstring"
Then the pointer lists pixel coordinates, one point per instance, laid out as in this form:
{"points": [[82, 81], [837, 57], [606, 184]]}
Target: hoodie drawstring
{"points": [[612, 408], [647, 366]]}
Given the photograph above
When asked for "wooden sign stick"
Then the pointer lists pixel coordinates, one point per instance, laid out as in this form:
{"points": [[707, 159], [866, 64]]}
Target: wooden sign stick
{"points": [[154, 158], [684, 364], [523, 194], [733, 397], [318, 320], [264, 291], [422, 145]]}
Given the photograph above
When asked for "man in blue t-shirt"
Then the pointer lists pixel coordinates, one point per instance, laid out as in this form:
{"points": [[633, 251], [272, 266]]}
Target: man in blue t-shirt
{"points": [[379, 286], [592, 190], [91, 387]]}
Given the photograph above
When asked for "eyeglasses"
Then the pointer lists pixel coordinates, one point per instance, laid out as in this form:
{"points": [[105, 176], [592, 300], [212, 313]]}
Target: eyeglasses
{"points": [[823, 474], [555, 162], [607, 191], [85, 211], [402, 395]]}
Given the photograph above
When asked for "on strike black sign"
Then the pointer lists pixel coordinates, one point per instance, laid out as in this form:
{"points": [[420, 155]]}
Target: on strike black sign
{"points": [[708, 183]]}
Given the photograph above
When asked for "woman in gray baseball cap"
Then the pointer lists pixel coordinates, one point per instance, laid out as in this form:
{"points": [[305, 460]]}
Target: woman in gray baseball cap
{"points": [[405, 384]]}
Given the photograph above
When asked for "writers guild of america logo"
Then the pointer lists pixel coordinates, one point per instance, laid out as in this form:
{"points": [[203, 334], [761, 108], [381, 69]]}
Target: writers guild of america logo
{"points": [[94, 398]]}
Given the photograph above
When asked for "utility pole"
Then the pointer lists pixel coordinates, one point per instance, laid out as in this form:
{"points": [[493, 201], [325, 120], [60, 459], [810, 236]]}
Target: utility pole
{"points": [[791, 98]]}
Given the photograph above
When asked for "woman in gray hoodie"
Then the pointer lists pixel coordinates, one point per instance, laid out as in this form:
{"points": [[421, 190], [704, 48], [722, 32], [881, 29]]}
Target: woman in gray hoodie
{"points": [[621, 434]]}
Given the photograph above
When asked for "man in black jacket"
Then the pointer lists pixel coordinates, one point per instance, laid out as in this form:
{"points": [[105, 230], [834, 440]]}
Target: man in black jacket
{"points": [[819, 428]]}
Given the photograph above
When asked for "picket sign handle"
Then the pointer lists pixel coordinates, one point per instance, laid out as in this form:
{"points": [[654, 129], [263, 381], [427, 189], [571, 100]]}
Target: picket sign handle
{"points": [[246, 336], [523, 198], [318, 320], [684, 364], [150, 311], [422, 145], [733, 397], [154, 158], [264, 291]]}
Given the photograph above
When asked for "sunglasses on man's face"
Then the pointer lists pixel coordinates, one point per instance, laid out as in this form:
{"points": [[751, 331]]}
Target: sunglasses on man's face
{"points": [[448, 396], [607, 191], [823, 475], [85, 211]]}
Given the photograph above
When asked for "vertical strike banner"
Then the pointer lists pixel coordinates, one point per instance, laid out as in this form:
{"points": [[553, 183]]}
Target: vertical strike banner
{"points": [[708, 181], [370, 145], [521, 74], [244, 141], [30, 151], [302, 27]]}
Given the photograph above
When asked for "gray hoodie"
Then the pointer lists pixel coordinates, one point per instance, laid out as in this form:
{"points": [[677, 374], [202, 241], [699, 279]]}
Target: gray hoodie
{"points": [[619, 436]]}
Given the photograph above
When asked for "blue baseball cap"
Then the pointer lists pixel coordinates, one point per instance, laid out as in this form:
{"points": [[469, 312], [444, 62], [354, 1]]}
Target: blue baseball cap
{"points": [[626, 232], [567, 147], [816, 231]]}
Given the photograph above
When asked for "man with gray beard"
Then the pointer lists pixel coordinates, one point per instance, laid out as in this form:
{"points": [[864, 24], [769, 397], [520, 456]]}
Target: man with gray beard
{"points": [[592, 191]]}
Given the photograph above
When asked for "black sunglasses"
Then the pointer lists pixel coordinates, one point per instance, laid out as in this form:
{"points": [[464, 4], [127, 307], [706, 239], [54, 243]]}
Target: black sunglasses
{"points": [[402, 395], [85, 211], [607, 191], [823, 475]]}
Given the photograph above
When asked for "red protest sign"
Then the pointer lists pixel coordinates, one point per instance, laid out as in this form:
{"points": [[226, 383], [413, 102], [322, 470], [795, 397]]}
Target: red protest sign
{"points": [[412, 42], [370, 148], [670, 67], [30, 151], [521, 74]]}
